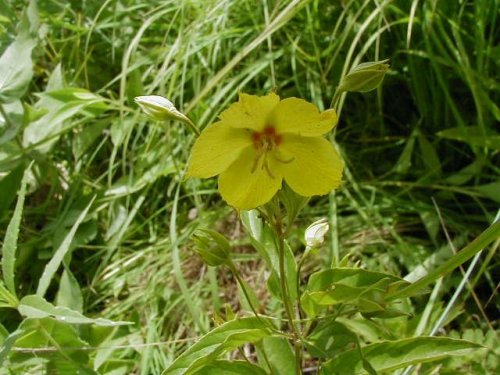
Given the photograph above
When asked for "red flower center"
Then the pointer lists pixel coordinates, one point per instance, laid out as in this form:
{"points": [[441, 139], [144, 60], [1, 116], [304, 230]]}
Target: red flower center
{"points": [[267, 139]]}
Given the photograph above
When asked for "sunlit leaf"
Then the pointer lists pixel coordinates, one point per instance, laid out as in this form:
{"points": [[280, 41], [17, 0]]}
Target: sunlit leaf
{"points": [[33, 306], [227, 337]]}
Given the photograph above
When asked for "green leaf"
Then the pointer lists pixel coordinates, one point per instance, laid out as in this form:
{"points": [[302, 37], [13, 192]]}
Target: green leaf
{"points": [[7, 299], [35, 307], [84, 139], [12, 119], [392, 355], [404, 161], [55, 262], [9, 246], [16, 66], [429, 156], [8, 343], [474, 136], [69, 294], [9, 186], [491, 190], [16, 69], [230, 368], [60, 104], [491, 234], [49, 334], [278, 354], [329, 339], [365, 289], [227, 337]]}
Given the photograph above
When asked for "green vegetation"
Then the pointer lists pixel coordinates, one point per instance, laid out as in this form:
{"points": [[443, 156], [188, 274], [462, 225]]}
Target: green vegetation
{"points": [[99, 272]]}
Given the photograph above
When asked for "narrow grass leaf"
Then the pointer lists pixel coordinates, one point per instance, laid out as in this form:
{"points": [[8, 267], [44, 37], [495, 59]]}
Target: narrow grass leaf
{"points": [[55, 262], [10, 242], [491, 234]]}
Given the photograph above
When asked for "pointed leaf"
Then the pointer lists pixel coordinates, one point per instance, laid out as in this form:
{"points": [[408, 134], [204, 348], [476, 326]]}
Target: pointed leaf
{"points": [[231, 368], [33, 306], [55, 262], [227, 337], [9, 246], [392, 355]]}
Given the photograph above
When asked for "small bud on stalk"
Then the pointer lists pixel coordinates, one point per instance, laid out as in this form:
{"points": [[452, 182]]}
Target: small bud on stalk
{"points": [[364, 77], [161, 109], [315, 233], [212, 246]]}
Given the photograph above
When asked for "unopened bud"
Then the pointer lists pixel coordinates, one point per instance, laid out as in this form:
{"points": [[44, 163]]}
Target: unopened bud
{"points": [[160, 108], [212, 246], [365, 77], [315, 233]]}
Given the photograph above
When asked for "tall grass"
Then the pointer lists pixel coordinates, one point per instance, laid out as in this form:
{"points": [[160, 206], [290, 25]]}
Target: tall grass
{"points": [[412, 189]]}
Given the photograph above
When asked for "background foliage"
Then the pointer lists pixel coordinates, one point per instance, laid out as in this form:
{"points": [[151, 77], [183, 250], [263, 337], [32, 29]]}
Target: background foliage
{"points": [[106, 222]]}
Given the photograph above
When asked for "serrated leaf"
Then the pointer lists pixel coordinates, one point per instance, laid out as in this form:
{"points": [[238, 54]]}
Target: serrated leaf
{"points": [[227, 337], [393, 355], [35, 307], [9, 246]]}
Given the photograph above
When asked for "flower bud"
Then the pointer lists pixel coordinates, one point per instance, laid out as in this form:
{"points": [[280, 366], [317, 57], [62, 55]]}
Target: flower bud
{"points": [[364, 77], [315, 233], [212, 246], [160, 108]]}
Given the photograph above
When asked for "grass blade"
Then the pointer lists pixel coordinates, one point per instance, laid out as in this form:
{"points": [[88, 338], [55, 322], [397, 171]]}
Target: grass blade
{"points": [[55, 262], [491, 234]]}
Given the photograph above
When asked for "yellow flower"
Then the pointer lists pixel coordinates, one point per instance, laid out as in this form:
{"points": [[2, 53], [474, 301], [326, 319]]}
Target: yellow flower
{"points": [[261, 141]]}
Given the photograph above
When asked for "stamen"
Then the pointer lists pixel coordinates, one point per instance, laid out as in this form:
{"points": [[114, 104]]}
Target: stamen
{"points": [[256, 161], [266, 141], [265, 165]]}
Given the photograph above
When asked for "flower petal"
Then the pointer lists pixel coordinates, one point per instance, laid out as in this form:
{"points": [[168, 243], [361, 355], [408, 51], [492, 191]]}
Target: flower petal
{"points": [[316, 167], [250, 111], [245, 185], [216, 149], [293, 115]]}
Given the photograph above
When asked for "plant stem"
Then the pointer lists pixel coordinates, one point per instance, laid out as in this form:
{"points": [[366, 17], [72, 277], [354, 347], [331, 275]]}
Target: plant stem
{"points": [[236, 274], [286, 296]]}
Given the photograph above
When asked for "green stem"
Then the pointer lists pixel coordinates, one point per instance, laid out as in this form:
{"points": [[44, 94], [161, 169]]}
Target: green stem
{"points": [[236, 274], [286, 297]]}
